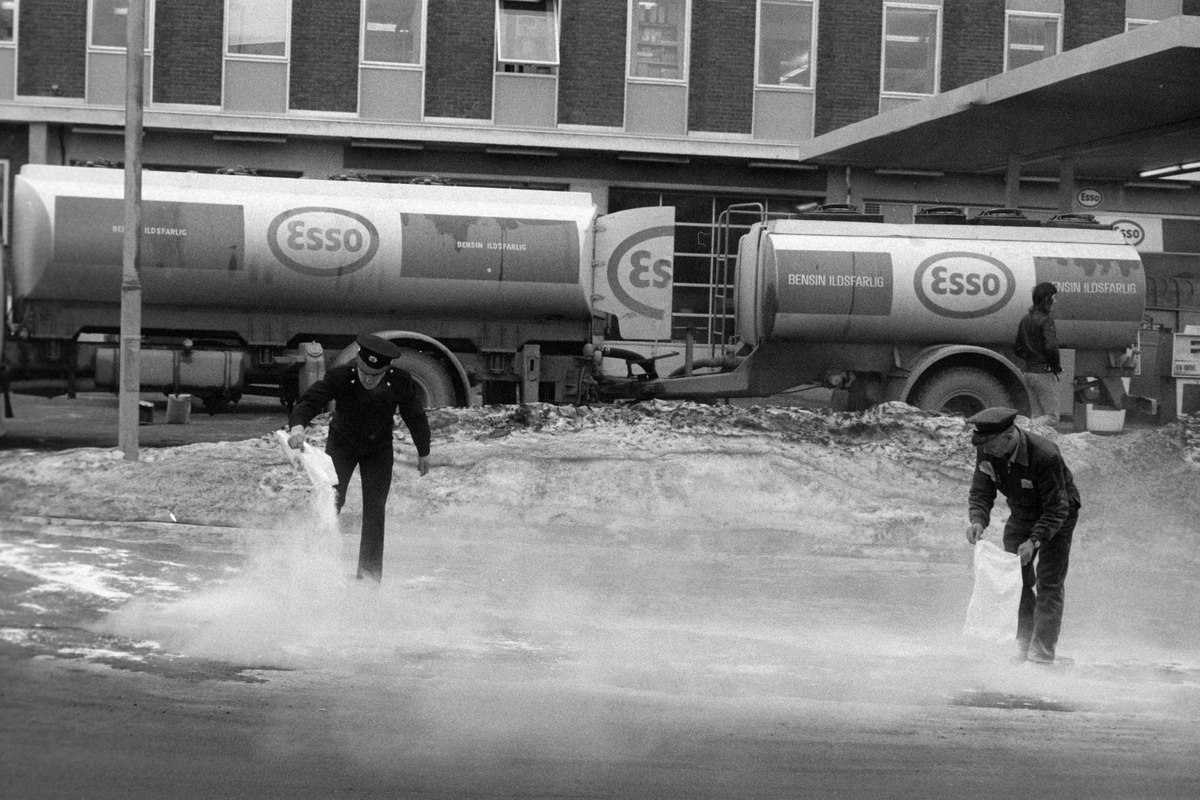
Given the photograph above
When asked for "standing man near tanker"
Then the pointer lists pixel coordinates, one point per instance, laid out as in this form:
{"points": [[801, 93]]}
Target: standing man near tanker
{"points": [[367, 394], [1044, 505], [1037, 344]]}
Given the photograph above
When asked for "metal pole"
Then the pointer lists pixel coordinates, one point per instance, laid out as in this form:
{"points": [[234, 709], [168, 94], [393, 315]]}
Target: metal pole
{"points": [[131, 281]]}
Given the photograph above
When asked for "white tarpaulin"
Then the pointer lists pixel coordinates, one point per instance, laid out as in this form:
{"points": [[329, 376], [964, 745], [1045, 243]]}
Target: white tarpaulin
{"points": [[992, 612]]}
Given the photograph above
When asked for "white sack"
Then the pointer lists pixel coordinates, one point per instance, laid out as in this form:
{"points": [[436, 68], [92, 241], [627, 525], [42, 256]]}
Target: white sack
{"points": [[992, 612]]}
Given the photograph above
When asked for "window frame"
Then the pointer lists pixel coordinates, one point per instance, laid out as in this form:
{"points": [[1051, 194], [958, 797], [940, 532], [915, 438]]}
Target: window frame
{"points": [[684, 44], [813, 6], [287, 35], [516, 63], [418, 63], [936, 11], [1008, 17], [110, 48]]}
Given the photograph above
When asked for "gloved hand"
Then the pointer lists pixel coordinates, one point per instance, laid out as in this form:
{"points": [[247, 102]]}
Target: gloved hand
{"points": [[296, 437], [974, 533], [422, 464], [1026, 551]]}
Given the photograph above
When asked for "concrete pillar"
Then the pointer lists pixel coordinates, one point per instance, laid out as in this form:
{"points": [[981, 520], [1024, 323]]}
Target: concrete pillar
{"points": [[1012, 182], [39, 143], [1066, 185]]}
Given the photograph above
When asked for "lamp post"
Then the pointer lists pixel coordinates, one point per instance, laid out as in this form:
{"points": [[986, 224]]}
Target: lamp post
{"points": [[131, 279]]}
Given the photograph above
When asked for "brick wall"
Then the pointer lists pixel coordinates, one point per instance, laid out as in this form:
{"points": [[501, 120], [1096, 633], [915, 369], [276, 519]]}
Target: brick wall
{"points": [[460, 58], [1087, 21], [972, 41], [721, 71], [53, 49], [324, 54], [848, 51], [591, 73], [188, 51]]}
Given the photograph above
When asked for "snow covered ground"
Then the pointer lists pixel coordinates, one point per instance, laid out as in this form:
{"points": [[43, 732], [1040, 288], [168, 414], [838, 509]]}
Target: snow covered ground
{"points": [[684, 554]]}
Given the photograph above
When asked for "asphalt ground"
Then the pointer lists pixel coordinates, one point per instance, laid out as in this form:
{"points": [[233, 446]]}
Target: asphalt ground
{"points": [[91, 420]]}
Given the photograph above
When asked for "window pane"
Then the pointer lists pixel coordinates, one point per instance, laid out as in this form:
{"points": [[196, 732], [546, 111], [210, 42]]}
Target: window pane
{"points": [[785, 51], [110, 19], [393, 31], [910, 51], [1031, 39], [6, 20], [258, 27], [658, 39], [529, 32]]}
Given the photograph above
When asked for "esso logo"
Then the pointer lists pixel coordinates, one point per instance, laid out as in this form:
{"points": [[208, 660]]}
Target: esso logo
{"points": [[963, 285], [1134, 233], [1089, 198], [321, 241], [638, 267]]}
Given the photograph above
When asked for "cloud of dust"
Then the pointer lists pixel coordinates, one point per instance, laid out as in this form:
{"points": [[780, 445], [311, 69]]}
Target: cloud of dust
{"points": [[492, 640]]}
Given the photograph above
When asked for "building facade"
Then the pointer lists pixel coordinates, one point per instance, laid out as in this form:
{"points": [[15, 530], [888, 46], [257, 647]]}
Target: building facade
{"points": [[699, 104]]}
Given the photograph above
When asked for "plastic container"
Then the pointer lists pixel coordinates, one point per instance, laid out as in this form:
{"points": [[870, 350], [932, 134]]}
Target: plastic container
{"points": [[179, 409], [1105, 420]]}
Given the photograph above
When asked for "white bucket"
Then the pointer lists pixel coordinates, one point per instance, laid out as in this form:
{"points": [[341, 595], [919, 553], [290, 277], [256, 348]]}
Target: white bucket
{"points": [[179, 409], [1105, 420]]}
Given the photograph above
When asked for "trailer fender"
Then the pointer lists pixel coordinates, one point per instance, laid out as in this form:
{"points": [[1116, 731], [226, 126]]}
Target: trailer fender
{"points": [[402, 338], [906, 382]]}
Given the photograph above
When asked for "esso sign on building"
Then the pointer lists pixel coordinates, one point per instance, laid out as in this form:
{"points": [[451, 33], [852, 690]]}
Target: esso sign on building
{"points": [[1089, 198], [1133, 232]]}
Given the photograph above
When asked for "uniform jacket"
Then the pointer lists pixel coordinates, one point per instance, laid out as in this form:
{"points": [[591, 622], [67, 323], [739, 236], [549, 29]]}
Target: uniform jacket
{"points": [[363, 419], [1037, 342], [1034, 479]]}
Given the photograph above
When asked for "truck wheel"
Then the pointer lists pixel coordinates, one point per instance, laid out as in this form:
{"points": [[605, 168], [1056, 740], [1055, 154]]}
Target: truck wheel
{"points": [[963, 391], [434, 385]]}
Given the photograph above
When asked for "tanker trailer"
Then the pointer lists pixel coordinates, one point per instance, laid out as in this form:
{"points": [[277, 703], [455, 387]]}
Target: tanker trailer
{"points": [[921, 313], [494, 295]]}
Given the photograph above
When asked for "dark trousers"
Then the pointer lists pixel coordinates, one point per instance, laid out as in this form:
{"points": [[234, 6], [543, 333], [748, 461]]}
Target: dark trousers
{"points": [[1039, 616], [375, 472]]}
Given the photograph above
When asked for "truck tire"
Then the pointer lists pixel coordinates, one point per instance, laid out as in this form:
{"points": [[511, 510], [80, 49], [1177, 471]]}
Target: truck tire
{"points": [[433, 383], [962, 391]]}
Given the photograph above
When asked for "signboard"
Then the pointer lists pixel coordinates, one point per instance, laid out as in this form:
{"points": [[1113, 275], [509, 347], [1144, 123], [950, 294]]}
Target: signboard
{"points": [[1089, 197], [1144, 233], [1186, 360]]}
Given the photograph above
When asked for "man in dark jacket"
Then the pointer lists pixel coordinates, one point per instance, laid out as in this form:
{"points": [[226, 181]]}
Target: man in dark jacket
{"points": [[1037, 345], [367, 395], [1044, 507]]}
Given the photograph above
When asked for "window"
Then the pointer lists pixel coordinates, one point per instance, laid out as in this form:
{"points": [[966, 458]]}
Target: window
{"points": [[257, 27], [110, 20], [910, 49], [1031, 37], [659, 36], [392, 31], [785, 43], [8, 10], [527, 34]]}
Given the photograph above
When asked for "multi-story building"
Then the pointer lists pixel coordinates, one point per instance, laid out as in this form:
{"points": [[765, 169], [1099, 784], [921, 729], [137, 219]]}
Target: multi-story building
{"points": [[697, 104]]}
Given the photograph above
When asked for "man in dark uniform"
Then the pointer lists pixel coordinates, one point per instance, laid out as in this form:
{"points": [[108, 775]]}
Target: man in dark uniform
{"points": [[1037, 345], [367, 394], [1044, 506]]}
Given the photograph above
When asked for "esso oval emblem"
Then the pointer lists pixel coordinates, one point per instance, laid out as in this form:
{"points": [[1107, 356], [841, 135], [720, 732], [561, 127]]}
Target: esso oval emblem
{"points": [[642, 271], [963, 285], [327, 242], [1134, 233]]}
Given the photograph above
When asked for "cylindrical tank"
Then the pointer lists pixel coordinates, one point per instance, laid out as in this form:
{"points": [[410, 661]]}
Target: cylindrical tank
{"points": [[306, 245], [927, 284]]}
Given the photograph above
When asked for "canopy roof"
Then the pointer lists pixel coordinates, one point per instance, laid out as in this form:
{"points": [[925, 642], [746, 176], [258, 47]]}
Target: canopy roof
{"points": [[1119, 106]]}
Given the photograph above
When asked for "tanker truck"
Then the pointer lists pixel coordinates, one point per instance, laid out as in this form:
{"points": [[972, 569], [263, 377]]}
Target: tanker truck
{"points": [[922, 313], [253, 285]]}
